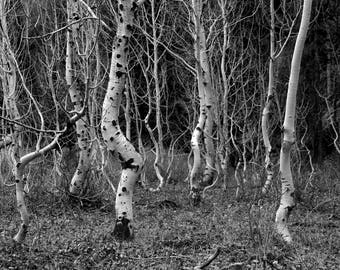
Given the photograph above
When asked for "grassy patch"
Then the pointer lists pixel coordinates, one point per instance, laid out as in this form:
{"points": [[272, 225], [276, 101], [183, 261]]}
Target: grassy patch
{"points": [[171, 234]]}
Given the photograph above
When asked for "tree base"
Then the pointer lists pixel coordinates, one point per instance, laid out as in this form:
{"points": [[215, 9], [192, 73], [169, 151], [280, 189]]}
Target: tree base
{"points": [[21, 235], [123, 230], [195, 197]]}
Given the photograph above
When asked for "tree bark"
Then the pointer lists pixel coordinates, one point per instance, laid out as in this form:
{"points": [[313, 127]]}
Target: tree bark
{"points": [[268, 106], [287, 202], [77, 99], [115, 140], [205, 120]]}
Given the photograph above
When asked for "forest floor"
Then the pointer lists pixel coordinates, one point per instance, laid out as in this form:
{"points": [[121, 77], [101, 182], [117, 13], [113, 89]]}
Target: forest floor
{"points": [[170, 233]]}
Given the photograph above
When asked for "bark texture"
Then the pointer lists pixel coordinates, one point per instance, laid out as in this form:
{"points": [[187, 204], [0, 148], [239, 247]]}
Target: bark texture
{"points": [[115, 140], [205, 120], [77, 93], [287, 202]]}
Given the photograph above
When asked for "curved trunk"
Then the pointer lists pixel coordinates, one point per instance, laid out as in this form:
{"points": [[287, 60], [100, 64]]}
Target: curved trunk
{"points": [[8, 79], [130, 159], [268, 105], [77, 99], [287, 202], [206, 116]]}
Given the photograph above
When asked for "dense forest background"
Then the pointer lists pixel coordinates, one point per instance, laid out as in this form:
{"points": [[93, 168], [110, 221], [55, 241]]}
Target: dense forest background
{"points": [[55, 60], [37, 36]]}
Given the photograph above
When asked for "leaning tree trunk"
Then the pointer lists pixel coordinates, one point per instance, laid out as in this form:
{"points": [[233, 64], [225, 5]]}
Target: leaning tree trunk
{"points": [[8, 79], [115, 140], [269, 105], [287, 202], [77, 99]]}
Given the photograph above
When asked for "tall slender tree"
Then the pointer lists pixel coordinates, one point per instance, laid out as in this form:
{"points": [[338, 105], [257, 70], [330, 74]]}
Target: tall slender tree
{"points": [[206, 116], [131, 160], [287, 202], [75, 48]]}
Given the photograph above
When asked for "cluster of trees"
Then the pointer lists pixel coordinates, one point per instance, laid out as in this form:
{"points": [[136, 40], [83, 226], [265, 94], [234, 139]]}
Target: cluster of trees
{"points": [[206, 77]]}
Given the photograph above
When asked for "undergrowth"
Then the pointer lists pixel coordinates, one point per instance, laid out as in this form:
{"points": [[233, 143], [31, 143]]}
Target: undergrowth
{"points": [[73, 233]]}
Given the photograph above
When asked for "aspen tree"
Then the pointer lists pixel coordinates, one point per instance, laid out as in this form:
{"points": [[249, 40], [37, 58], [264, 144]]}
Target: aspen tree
{"points": [[8, 78], [287, 202], [205, 120], [76, 92], [114, 138], [268, 105]]}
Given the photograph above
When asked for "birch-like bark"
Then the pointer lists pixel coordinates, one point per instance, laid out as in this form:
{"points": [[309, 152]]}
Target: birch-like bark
{"points": [[209, 170], [77, 99], [269, 104], [195, 189], [19, 169], [8, 79], [287, 202], [115, 140]]}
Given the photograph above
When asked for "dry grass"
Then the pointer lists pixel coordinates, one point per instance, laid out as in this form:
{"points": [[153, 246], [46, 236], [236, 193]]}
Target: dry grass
{"points": [[66, 234]]}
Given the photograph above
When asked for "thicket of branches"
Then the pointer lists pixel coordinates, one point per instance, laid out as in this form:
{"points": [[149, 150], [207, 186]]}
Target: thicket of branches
{"points": [[37, 37]]}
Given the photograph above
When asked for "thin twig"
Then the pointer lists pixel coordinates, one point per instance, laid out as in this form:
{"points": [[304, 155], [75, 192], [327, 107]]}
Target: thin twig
{"points": [[209, 260]]}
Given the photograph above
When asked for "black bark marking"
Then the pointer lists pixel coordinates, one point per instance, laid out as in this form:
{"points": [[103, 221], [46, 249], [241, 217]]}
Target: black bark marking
{"points": [[129, 165], [123, 230], [114, 123], [112, 139], [119, 65], [119, 74], [121, 7], [129, 27], [124, 189], [134, 6], [118, 56], [199, 129], [289, 210]]}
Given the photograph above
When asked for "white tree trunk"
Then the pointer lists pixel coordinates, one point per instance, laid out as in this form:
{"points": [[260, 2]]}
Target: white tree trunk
{"points": [[77, 99], [115, 140], [268, 106], [287, 202], [206, 116], [210, 169], [8, 79]]}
